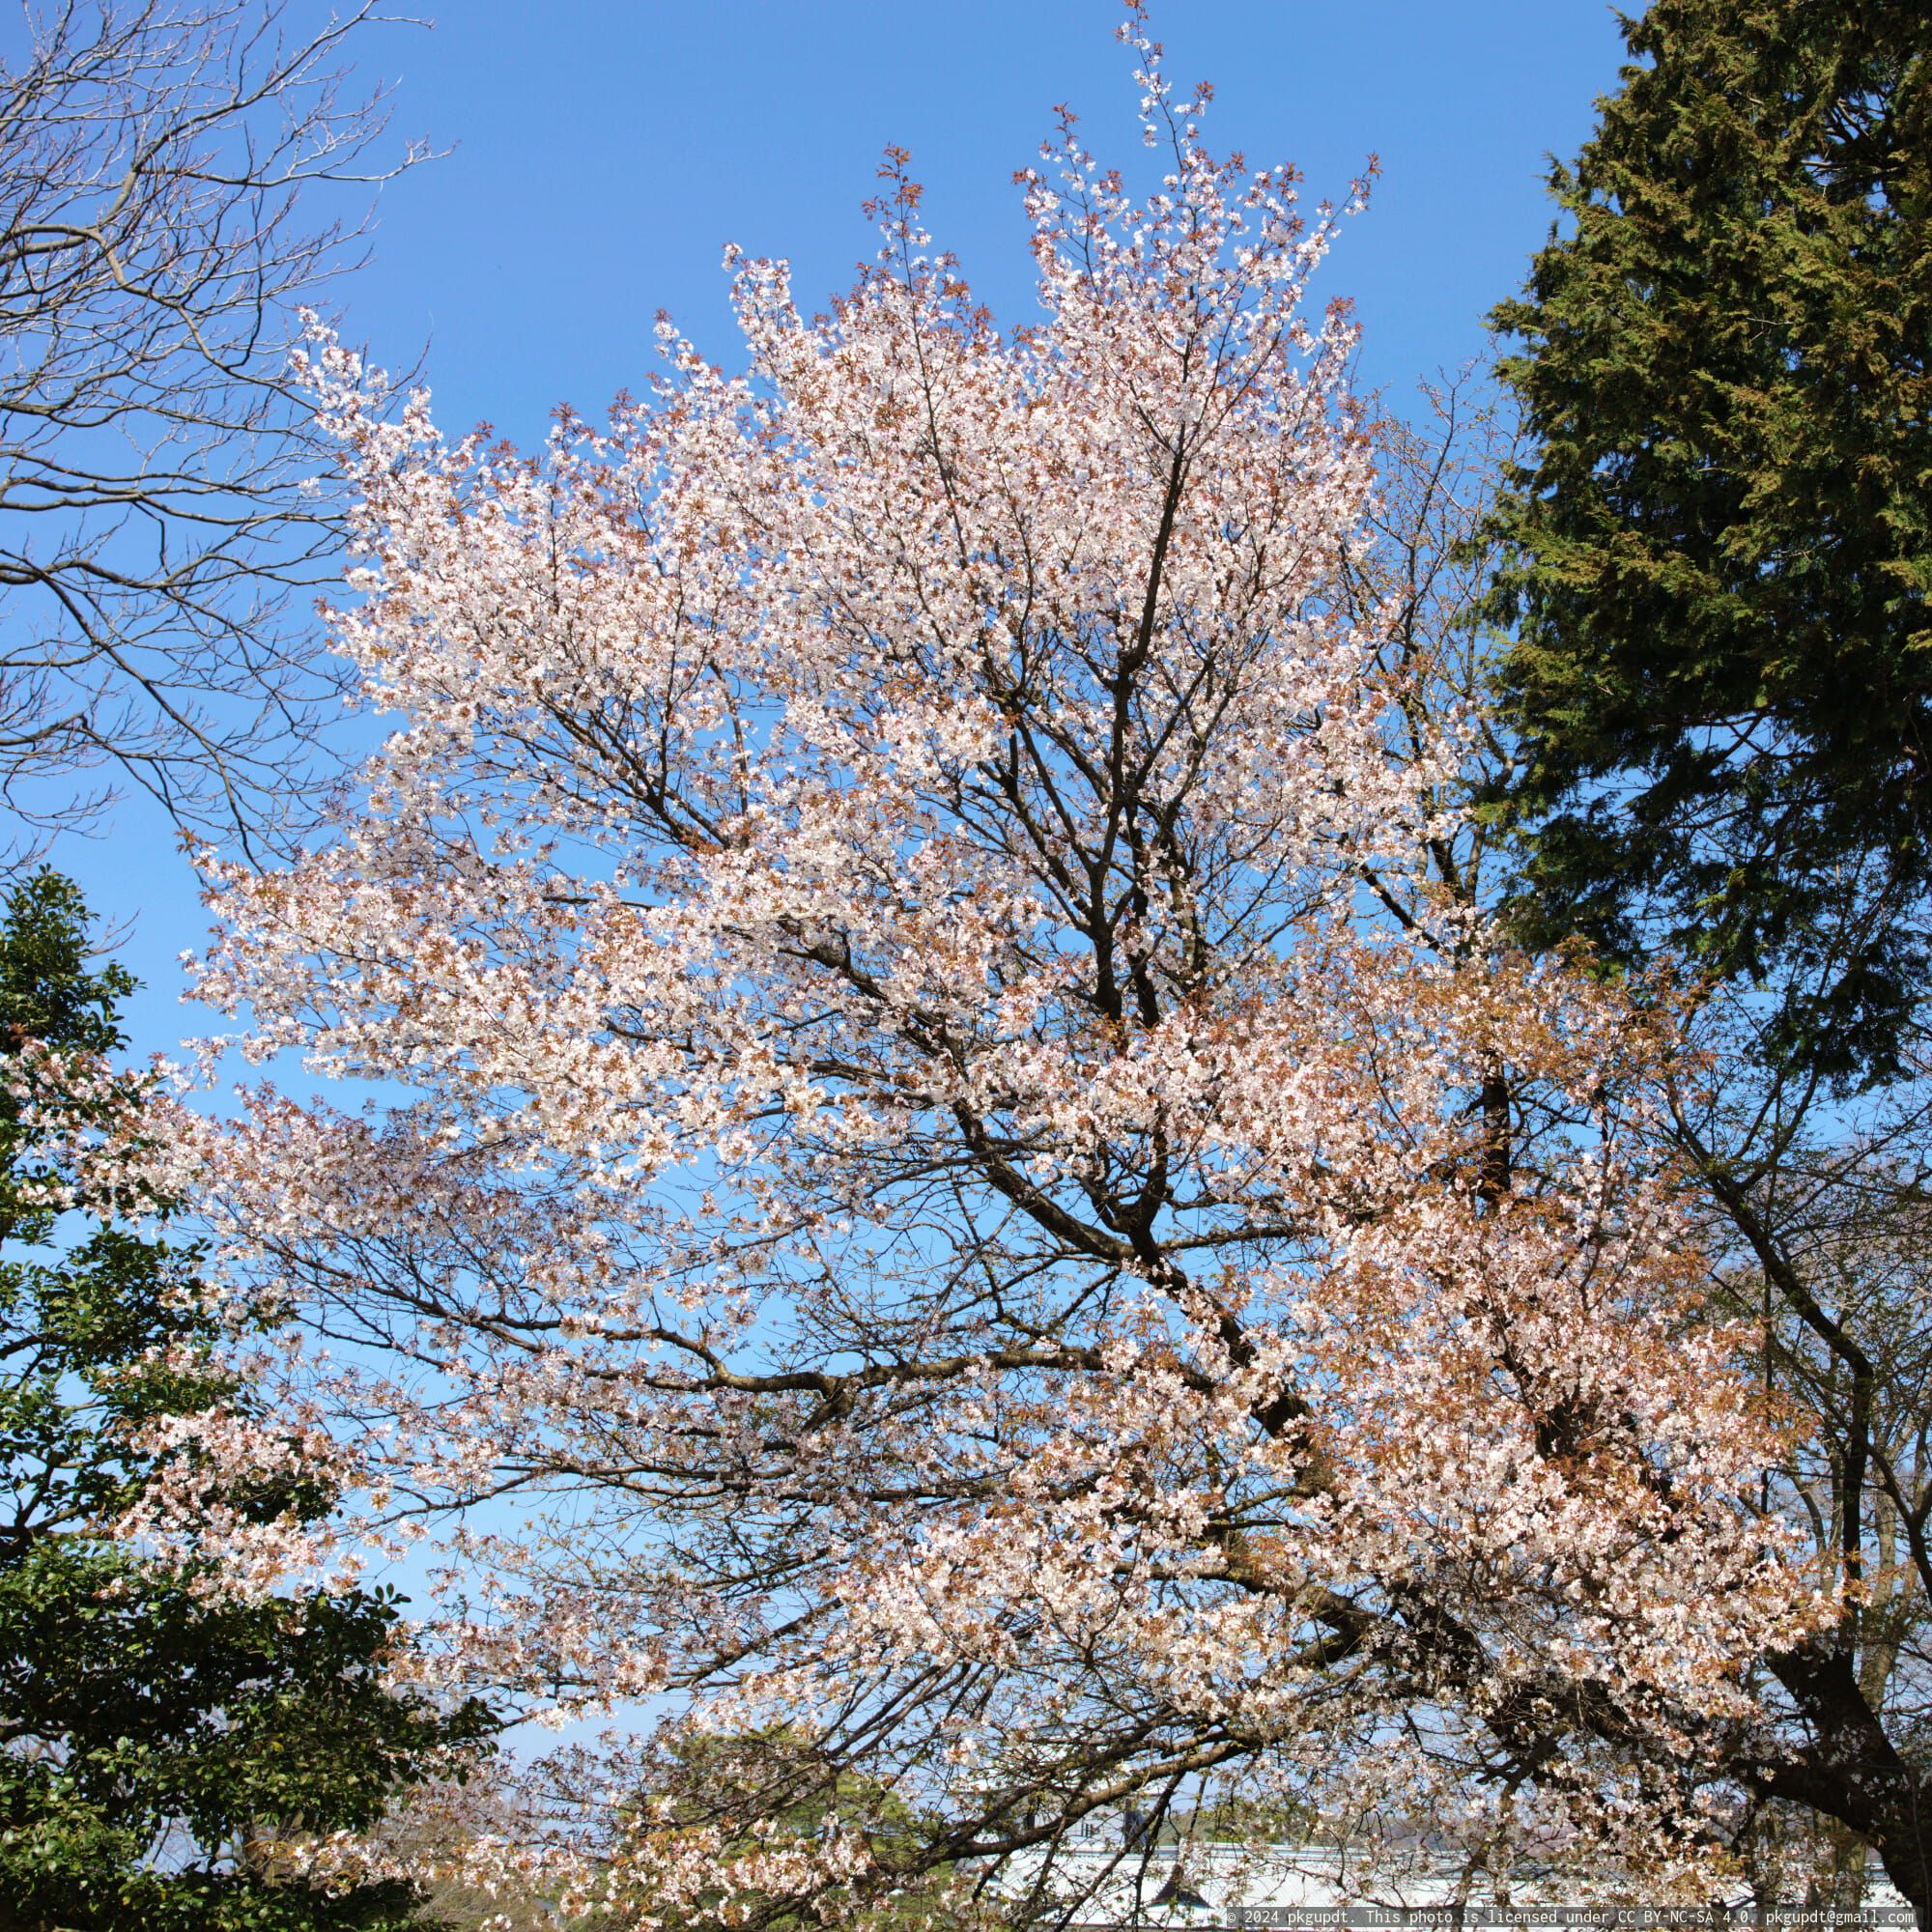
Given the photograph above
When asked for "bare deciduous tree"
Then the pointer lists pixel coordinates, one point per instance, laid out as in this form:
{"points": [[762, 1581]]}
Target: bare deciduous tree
{"points": [[158, 236]]}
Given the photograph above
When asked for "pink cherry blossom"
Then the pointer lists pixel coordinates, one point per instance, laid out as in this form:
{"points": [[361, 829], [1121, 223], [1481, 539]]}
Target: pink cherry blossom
{"points": [[911, 1191]]}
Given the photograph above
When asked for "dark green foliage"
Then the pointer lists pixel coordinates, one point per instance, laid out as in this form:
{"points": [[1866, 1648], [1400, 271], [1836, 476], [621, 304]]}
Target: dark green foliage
{"points": [[1722, 671], [146, 1736]]}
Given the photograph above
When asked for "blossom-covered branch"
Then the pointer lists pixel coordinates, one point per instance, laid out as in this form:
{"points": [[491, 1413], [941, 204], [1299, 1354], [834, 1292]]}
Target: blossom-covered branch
{"points": [[927, 1176]]}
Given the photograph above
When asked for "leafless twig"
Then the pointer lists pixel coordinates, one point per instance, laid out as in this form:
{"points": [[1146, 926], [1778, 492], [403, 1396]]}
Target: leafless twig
{"points": [[165, 171]]}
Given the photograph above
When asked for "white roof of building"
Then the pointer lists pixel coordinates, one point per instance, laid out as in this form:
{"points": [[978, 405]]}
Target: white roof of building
{"points": [[1196, 1887]]}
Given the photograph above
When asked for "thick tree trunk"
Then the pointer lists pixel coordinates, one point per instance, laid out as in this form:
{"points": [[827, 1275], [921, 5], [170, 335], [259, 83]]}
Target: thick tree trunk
{"points": [[1851, 1772]]}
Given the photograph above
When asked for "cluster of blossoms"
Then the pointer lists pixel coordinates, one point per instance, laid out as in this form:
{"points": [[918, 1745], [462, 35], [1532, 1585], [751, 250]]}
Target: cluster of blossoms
{"points": [[928, 1200]]}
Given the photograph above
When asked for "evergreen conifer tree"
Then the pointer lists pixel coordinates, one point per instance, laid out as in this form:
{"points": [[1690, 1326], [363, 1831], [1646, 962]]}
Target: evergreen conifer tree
{"points": [[1721, 670]]}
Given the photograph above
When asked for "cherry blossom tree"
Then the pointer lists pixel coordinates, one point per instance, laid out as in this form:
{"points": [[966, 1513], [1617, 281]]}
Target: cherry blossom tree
{"points": [[951, 1175]]}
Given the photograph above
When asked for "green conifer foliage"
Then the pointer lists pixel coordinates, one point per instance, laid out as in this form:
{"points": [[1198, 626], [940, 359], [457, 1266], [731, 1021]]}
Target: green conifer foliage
{"points": [[151, 1737], [1722, 665]]}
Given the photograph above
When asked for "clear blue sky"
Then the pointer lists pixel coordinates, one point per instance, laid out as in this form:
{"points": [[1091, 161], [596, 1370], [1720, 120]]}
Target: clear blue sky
{"points": [[603, 151]]}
